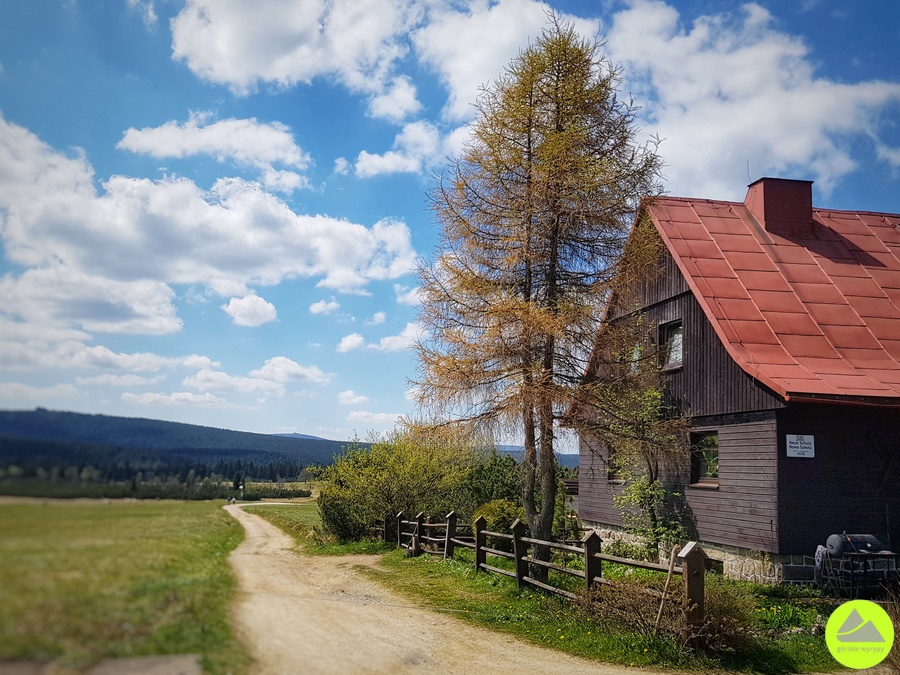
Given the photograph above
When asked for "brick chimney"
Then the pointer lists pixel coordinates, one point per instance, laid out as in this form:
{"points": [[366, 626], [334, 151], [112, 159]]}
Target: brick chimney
{"points": [[781, 205]]}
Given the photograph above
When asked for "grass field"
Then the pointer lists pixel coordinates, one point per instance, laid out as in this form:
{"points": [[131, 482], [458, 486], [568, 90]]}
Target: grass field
{"points": [[85, 580]]}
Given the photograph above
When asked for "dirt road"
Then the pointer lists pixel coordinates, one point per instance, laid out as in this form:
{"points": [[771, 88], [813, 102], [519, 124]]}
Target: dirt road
{"points": [[304, 614]]}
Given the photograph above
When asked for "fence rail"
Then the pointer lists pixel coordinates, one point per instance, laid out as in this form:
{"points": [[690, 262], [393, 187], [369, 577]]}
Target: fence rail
{"points": [[421, 534]]}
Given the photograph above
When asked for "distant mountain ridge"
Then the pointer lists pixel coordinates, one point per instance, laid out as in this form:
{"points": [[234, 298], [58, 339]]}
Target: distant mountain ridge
{"points": [[518, 452], [56, 438]]}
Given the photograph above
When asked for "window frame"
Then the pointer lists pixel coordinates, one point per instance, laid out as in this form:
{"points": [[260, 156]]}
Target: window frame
{"points": [[667, 334], [698, 463]]}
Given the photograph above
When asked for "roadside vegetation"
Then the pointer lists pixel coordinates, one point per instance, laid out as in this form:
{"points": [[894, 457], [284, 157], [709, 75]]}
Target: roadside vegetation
{"points": [[82, 581], [753, 628]]}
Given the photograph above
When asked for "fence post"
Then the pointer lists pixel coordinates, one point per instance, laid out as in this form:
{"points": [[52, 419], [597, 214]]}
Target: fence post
{"points": [[400, 519], [449, 535], [520, 551], [693, 571], [480, 542], [592, 566], [417, 534], [388, 526]]}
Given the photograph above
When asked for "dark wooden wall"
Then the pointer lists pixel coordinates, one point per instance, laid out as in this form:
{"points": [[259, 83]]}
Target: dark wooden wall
{"points": [[853, 482], [741, 512]]}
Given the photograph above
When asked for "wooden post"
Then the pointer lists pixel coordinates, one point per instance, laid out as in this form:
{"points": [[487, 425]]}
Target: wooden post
{"points": [[520, 550], [480, 542], [449, 535], [400, 518], [592, 566], [417, 534], [693, 566]]}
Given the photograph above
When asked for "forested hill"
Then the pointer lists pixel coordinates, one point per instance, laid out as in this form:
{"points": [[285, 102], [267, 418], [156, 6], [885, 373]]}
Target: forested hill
{"points": [[119, 446]]}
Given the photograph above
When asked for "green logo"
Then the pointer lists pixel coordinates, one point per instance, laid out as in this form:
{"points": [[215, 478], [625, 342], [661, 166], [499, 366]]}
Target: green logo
{"points": [[859, 634]]}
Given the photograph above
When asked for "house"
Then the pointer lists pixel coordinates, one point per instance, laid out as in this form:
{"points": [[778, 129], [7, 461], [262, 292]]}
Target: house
{"points": [[781, 331]]}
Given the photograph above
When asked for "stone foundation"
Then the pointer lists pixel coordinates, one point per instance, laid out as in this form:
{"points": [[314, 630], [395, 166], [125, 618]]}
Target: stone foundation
{"points": [[737, 563]]}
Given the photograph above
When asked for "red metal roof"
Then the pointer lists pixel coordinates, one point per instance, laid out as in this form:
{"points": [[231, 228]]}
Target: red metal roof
{"points": [[805, 300]]}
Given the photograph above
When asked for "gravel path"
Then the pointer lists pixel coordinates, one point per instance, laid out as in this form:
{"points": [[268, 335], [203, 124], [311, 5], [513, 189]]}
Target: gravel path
{"points": [[317, 614]]}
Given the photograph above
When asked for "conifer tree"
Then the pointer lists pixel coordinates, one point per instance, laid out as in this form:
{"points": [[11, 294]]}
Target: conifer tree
{"points": [[534, 214]]}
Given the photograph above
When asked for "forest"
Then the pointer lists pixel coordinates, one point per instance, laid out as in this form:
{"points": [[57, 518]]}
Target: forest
{"points": [[69, 454]]}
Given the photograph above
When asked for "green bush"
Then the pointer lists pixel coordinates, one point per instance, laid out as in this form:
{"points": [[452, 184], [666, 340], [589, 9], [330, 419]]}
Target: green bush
{"points": [[499, 516], [405, 471]]}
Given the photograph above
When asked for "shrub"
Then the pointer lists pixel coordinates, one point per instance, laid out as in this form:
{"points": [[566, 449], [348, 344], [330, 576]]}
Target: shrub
{"points": [[404, 471], [499, 516]]}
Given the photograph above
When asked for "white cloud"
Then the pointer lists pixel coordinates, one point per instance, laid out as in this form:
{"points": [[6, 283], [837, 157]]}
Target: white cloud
{"points": [[139, 237], [286, 42], [398, 102], [379, 419], [392, 343], [377, 319], [351, 343], [251, 310], [732, 89], [283, 369], [471, 48], [350, 397], [178, 398], [245, 142], [342, 166], [146, 9], [396, 343], [112, 380], [407, 295], [416, 147], [214, 380], [324, 307]]}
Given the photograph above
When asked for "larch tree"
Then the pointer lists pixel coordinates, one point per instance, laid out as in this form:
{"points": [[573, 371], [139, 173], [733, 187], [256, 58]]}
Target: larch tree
{"points": [[534, 214]]}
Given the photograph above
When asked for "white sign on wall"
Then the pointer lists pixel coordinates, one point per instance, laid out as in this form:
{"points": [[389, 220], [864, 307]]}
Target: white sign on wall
{"points": [[801, 445]]}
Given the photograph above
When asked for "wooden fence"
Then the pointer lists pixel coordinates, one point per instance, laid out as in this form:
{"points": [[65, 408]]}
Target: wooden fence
{"points": [[422, 534]]}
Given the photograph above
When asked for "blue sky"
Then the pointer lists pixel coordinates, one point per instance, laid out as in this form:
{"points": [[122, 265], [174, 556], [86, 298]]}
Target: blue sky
{"points": [[210, 210]]}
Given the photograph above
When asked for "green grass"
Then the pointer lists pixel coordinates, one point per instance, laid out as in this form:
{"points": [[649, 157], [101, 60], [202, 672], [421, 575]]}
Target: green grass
{"points": [[82, 581], [494, 602], [301, 521]]}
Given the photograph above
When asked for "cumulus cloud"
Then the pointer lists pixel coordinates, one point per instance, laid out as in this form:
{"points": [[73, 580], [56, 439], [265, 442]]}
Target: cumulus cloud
{"points": [[416, 147], [731, 89], [392, 343], [379, 419], [214, 380], [244, 142], [139, 237], [285, 42], [398, 102], [113, 380], [469, 49], [283, 369], [251, 310], [351, 343], [324, 307], [377, 319], [178, 398], [350, 397]]}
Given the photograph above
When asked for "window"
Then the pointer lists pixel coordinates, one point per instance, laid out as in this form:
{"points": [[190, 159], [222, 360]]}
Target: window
{"points": [[705, 458], [672, 344]]}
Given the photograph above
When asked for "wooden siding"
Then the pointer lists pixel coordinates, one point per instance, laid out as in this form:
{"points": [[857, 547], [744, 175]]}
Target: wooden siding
{"points": [[742, 512], [853, 482]]}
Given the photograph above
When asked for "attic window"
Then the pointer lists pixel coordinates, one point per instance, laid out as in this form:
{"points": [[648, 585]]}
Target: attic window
{"points": [[671, 341], [705, 458]]}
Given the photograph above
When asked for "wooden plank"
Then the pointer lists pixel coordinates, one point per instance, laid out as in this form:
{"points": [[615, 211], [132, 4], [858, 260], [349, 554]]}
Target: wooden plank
{"points": [[497, 570], [551, 589]]}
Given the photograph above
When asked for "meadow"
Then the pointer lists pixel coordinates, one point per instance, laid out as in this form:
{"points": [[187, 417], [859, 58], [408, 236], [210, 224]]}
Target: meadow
{"points": [[89, 579]]}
